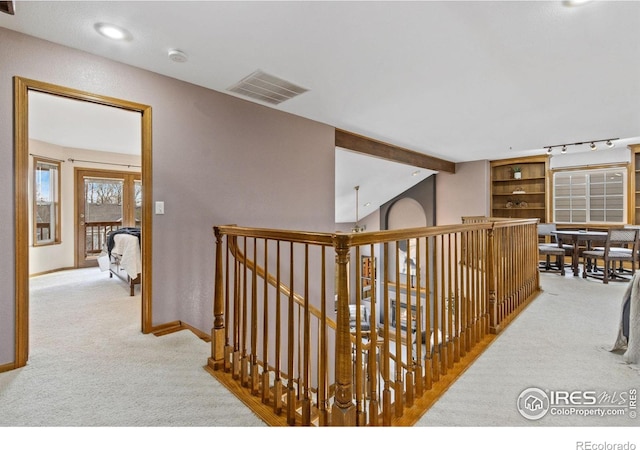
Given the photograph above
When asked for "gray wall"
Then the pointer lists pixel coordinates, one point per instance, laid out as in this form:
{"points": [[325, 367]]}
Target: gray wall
{"points": [[216, 160], [465, 193], [424, 193]]}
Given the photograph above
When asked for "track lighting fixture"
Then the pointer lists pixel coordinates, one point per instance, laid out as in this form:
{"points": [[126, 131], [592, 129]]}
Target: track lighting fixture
{"points": [[592, 145]]}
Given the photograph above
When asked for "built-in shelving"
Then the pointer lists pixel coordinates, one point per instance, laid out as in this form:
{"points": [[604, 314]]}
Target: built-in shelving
{"points": [[635, 180], [520, 198]]}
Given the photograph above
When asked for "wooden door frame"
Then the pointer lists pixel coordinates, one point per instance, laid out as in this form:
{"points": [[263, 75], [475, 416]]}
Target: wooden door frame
{"points": [[21, 88], [79, 197]]}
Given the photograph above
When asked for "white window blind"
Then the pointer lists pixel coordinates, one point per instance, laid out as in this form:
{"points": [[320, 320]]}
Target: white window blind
{"points": [[590, 196]]}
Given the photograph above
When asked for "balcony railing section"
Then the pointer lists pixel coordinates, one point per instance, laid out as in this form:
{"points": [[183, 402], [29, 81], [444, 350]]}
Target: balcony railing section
{"points": [[334, 329], [95, 235]]}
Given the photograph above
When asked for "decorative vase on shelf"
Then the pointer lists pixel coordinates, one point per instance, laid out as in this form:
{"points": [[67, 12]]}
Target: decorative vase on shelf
{"points": [[517, 172]]}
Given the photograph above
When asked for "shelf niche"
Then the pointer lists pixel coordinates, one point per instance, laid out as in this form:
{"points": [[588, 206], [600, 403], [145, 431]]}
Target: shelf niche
{"points": [[520, 198]]}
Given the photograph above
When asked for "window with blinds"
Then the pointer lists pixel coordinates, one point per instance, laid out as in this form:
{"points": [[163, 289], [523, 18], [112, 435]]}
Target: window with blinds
{"points": [[590, 196]]}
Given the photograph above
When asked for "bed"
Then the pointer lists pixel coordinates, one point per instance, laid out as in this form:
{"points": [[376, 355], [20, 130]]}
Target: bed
{"points": [[125, 261]]}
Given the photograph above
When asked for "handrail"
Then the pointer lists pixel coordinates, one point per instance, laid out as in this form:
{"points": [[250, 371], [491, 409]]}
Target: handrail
{"points": [[304, 237], [434, 295]]}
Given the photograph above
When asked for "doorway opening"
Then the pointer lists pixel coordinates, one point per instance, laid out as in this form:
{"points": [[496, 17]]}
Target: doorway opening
{"points": [[105, 201], [22, 87]]}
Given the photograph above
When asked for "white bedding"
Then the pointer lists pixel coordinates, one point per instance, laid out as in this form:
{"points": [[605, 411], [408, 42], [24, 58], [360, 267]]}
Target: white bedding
{"points": [[127, 247]]}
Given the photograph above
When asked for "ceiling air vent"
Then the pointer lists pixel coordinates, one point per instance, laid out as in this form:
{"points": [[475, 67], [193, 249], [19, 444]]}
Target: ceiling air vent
{"points": [[267, 88], [7, 7]]}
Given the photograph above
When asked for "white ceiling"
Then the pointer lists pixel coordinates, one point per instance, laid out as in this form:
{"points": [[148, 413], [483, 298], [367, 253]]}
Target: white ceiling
{"points": [[460, 81], [73, 123]]}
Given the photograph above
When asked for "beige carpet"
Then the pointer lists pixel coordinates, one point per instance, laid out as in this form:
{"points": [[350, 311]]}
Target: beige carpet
{"points": [[559, 343], [90, 367]]}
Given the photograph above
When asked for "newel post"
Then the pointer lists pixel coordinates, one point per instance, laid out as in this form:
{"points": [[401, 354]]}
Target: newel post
{"points": [[491, 280], [343, 412], [216, 361]]}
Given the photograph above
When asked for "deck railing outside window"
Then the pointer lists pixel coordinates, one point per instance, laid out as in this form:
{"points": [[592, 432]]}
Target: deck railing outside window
{"points": [[354, 329], [95, 235]]}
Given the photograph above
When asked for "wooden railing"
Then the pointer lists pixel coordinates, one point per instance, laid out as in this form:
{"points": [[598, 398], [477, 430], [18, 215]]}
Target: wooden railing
{"points": [[95, 235], [43, 231], [290, 337]]}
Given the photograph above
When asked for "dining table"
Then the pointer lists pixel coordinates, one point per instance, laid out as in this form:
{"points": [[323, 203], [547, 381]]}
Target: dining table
{"points": [[575, 238]]}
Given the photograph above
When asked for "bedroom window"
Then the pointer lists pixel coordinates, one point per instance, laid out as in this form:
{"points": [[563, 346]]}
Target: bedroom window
{"points": [[590, 196], [46, 202], [137, 193]]}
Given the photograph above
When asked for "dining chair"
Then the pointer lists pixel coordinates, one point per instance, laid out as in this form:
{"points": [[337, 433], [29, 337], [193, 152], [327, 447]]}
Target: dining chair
{"points": [[621, 268], [550, 248], [621, 246]]}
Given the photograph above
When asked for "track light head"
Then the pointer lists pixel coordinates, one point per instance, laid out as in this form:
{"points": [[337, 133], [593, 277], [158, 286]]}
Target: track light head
{"points": [[592, 145]]}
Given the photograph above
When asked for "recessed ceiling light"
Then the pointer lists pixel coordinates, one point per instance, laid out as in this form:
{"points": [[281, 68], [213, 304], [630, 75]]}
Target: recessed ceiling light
{"points": [[575, 2], [112, 31], [367, 204]]}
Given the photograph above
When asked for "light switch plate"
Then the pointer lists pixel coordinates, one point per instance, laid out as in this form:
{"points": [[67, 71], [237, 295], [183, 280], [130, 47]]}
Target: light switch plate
{"points": [[159, 207]]}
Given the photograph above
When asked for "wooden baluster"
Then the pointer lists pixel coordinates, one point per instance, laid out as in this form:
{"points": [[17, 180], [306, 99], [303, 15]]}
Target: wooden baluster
{"points": [[244, 364], [476, 282], [298, 353], [306, 357], [386, 342], [372, 355], [399, 382], [451, 298], [428, 363], [228, 347], [437, 333], [491, 274], [277, 384], [457, 294], [361, 416], [291, 390], [464, 294], [409, 380], [343, 412], [419, 378], [235, 366], [484, 307], [444, 352], [266, 383], [482, 311], [253, 360], [323, 375]]}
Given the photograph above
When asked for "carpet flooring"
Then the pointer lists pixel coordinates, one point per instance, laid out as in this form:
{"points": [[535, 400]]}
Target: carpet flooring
{"points": [[90, 368]]}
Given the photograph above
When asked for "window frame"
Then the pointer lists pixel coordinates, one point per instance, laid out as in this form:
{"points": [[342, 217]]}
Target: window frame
{"points": [[624, 168], [56, 237]]}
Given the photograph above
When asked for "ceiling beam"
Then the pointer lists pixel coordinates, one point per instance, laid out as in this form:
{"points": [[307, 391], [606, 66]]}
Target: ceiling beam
{"points": [[362, 144], [8, 7]]}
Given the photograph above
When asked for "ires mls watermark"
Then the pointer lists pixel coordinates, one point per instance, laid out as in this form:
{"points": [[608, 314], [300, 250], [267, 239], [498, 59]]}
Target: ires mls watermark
{"points": [[535, 403]]}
